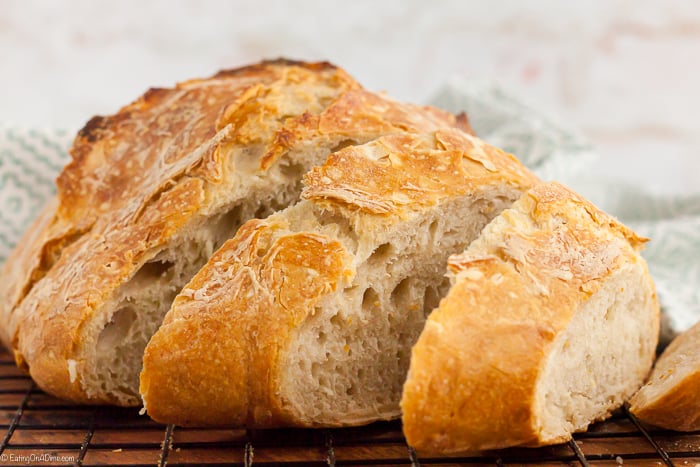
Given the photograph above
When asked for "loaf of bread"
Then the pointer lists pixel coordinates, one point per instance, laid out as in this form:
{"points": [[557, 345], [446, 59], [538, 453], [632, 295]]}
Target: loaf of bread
{"points": [[671, 397], [152, 191], [307, 318], [551, 323], [180, 210]]}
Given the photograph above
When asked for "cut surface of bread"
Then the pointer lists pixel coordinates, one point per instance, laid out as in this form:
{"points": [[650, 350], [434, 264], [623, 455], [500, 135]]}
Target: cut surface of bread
{"points": [[307, 318], [671, 397], [550, 324], [151, 193]]}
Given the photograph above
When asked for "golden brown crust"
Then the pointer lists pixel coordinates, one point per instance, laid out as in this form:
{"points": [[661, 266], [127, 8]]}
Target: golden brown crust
{"points": [[674, 406], [406, 172], [51, 320], [451, 384], [24, 266], [268, 278], [233, 315], [139, 177], [474, 370], [676, 409], [378, 114]]}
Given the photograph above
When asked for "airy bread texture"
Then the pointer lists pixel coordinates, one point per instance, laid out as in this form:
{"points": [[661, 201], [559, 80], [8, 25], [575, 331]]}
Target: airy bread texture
{"points": [[550, 324], [151, 193], [671, 397], [307, 318]]}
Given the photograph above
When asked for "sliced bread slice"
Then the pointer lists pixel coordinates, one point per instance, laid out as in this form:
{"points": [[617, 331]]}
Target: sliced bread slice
{"points": [[307, 318], [152, 191], [550, 324], [671, 397]]}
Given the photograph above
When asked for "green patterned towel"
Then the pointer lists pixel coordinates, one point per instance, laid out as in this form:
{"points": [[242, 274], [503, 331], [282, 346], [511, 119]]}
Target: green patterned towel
{"points": [[555, 152], [30, 159]]}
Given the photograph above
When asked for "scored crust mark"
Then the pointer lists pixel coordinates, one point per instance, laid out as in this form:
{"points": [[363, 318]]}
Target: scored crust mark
{"points": [[49, 256]]}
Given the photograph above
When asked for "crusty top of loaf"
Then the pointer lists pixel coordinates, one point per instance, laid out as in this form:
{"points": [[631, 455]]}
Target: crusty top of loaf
{"points": [[406, 172], [239, 312], [138, 177], [564, 237], [513, 291]]}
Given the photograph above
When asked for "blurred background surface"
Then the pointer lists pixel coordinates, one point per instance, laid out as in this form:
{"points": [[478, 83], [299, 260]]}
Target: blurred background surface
{"points": [[625, 73]]}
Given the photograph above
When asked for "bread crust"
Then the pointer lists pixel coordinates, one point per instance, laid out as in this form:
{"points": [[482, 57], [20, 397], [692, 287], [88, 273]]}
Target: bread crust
{"points": [[674, 406], [473, 377], [210, 363], [386, 177], [139, 178], [24, 265], [216, 359]]}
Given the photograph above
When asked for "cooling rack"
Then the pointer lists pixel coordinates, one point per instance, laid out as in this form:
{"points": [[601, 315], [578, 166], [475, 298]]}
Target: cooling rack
{"points": [[44, 431]]}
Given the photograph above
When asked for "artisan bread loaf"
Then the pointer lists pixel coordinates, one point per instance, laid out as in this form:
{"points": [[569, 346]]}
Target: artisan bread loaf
{"points": [[307, 318], [671, 397], [152, 191], [550, 324]]}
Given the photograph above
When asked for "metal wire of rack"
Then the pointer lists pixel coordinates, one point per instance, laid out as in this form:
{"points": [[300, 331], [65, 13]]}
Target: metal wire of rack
{"points": [[43, 431]]}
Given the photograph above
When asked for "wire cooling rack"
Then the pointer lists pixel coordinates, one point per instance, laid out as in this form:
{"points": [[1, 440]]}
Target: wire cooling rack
{"points": [[43, 431]]}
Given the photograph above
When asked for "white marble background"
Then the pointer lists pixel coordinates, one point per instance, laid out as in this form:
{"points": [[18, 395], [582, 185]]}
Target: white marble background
{"points": [[626, 73]]}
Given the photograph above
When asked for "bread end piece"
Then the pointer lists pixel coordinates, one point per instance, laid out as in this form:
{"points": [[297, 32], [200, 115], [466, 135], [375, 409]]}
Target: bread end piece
{"points": [[671, 397], [550, 324]]}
